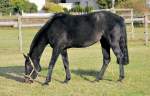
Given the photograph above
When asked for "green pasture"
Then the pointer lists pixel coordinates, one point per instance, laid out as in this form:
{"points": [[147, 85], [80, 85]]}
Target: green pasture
{"points": [[84, 65]]}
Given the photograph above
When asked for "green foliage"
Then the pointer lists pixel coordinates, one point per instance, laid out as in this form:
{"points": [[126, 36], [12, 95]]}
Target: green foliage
{"points": [[51, 0], [30, 7], [104, 3], [118, 2], [52, 7], [5, 7], [108, 3], [79, 8], [66, 10], [19, 5], [88, 9]]}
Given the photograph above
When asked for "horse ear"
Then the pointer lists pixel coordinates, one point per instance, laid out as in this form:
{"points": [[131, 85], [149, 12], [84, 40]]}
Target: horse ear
{"points": [[25, 56]]}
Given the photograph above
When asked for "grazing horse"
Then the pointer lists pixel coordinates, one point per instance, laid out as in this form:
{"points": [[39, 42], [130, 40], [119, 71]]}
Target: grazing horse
{"points": [[65, 31]]}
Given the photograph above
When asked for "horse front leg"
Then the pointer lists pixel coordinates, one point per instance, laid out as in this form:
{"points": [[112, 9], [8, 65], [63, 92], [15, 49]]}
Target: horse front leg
{"points": [[64, 55], [55, 54]]}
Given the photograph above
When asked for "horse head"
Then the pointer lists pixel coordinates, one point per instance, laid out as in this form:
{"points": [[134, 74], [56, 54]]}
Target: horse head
{"points": [[30, 71]]}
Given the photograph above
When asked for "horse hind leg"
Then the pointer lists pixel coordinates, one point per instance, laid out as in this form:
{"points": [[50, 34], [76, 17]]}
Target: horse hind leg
{"points": [[119, 55], [66, 65], [106, 57], [117, 51]]}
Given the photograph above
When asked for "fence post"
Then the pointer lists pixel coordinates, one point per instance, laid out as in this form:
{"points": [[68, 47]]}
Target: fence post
{"points": [[146, 29], [132, 24], [20, 33]]}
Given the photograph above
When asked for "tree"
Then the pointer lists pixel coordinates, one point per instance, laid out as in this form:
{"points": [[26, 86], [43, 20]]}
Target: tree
{"points": [[33, 8], [17, 6], [5, 7], [108, 3], [29, 7], [23, 5], [104, 3], [137, 5]]}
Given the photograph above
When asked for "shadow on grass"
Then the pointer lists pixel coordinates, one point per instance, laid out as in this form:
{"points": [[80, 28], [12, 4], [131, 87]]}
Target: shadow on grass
{"points": [[13, 73], [16, 73], [84, 73]]}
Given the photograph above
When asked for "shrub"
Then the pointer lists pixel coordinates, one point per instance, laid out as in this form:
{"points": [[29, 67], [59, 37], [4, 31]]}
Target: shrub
{"points": [[30, 7], [78, 8], [88, 9], [52, 7], [5, 7], [66, 10], [19, 5]]}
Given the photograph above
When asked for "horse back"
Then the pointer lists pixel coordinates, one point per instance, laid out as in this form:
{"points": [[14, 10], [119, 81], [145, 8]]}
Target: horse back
{"points": [[82, 30]]}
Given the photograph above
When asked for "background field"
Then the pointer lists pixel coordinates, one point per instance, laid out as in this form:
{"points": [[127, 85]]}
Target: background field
{"points": [[84, 65]]}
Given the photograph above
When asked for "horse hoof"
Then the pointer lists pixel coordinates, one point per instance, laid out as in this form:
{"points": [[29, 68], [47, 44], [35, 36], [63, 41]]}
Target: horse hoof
{"points": [[45, 84], [28, 81], [66, 81], [120, 80], [98, 79]]}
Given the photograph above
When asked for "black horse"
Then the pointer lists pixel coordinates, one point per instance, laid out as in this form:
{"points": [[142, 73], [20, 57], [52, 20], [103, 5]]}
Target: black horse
{"points": [[65, 31]]}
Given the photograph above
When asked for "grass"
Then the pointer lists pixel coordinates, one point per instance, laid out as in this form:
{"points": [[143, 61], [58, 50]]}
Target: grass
{"points": [[84, 65]]}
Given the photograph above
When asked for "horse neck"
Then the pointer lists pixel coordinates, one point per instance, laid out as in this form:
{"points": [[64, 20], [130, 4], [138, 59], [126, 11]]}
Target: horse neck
{"points": [[37, 47], [36, 52]]}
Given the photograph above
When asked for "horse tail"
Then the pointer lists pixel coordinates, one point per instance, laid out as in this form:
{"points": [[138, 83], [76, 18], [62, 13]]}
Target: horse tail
{"points": [[123, 44]]}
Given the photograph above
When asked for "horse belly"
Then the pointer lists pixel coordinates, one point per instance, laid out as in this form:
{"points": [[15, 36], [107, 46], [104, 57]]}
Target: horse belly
{"points": [[88, 41]]}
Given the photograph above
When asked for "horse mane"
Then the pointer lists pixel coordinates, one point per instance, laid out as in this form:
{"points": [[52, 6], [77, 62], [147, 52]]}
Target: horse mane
{"points": [[35, 40], [42, 31], [40, 34]]}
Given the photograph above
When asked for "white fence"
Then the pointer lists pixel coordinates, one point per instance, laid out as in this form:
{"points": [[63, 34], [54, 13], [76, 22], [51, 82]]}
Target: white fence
{"points": [[26, 20], [30, 20], [38, 20], [127, 14], [31, 23], [146, 22], [37, 14]]}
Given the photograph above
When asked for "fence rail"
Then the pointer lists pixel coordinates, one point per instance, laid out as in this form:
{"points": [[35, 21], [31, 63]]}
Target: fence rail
{"points": [[33, 20], [127, 14], [26, 20]]}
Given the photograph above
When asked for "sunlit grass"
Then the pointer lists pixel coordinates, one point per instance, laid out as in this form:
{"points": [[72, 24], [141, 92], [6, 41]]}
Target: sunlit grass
{"points": [[84, 65]]}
